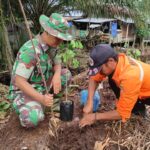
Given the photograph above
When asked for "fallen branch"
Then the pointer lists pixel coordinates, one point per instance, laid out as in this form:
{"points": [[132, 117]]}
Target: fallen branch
{"points": [[4, 72], [100, 145]]}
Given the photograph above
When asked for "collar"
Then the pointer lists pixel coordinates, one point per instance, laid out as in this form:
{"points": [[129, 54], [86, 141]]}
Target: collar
{"points": [[122, 64], [42, 44]]}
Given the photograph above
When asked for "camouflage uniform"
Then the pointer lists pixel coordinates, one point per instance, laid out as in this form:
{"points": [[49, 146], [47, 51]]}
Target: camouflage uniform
{"points": [[31, 112]]}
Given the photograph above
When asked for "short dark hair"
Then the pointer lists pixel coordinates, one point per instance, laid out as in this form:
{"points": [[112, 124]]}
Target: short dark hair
{"points": [[115, 57]]}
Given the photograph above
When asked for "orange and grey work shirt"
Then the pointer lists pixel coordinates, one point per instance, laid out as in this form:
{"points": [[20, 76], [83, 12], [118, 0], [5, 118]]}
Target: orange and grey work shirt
{"points": [[132, 77]]}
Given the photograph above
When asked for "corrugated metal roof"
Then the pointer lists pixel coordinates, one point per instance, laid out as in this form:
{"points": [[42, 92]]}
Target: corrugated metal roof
{"points": [[74, 13], [129, 20], [95, 20], [126, 20]]}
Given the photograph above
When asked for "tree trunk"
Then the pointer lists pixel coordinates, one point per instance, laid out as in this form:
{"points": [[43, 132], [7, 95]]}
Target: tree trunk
{"points": [[8, 50], [142, 43], [133, 45], [7, 47]]}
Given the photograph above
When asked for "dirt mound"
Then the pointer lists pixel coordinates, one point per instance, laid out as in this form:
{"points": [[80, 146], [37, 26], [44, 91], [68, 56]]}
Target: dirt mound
{"points": [[74, 138]]}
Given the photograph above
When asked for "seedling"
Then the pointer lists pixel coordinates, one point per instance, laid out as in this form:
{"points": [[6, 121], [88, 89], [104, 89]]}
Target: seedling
{"points": [[68, 54]]}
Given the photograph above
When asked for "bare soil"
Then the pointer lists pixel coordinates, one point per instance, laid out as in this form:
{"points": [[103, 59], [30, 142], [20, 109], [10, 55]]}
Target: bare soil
{"points": [[114, 135], [70, 136]]}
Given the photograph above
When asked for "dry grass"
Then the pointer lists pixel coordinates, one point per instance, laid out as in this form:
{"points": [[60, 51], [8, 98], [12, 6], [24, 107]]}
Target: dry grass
{"points": [[132, 135]]}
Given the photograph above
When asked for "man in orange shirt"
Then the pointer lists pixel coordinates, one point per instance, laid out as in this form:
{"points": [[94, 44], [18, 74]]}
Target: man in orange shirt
{"points": [[128, 78]]}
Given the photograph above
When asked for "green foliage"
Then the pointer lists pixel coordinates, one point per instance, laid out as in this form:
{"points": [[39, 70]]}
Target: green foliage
{"points": [[138, 10], [111, 8], [4, 107], [141, 17], [143, 31], [134, 53], [141, 24], [68, 53], [126, 45], [76, 44]]}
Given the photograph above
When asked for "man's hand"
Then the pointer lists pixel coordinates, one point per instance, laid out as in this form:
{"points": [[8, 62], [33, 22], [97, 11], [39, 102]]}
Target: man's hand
{"points": [[88, 119], [47, 100], [88, 108], [56, 83]]}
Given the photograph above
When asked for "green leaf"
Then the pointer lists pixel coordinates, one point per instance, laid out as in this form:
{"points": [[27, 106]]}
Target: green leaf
{"points": [[76, 44], [80, 45], [75, 63], [62, 46], [129, 53], [64, 59], [3, 103], [68, 55], [73, 43], [138, 52], [6, 106]]}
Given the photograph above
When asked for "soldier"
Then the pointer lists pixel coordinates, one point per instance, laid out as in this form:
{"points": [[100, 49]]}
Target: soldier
{"points": [[27, 91]]}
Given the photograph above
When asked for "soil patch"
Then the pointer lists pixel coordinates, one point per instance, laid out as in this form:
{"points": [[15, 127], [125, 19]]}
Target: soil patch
{"points": [[15, 137], [115, 135]]}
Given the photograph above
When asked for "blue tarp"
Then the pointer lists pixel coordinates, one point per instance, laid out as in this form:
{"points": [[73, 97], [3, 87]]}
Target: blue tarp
{"points": [[114, 29]]}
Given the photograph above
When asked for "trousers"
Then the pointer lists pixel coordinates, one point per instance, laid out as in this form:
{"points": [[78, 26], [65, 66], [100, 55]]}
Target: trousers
{"points": [[31, 112], [139, 107]]}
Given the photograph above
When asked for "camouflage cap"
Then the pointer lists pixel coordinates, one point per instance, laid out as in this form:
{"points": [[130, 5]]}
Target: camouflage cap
{"points": [[56, 25]]}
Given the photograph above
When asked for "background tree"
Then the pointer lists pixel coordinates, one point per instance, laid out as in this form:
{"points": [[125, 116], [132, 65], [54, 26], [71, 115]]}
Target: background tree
{"points": [[34, 8], [10, 15], [138, 10], [5, 48]]}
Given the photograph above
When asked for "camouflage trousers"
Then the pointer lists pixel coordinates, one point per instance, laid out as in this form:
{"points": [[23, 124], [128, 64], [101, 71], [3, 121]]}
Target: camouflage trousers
{"points": [[31, 112]]}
